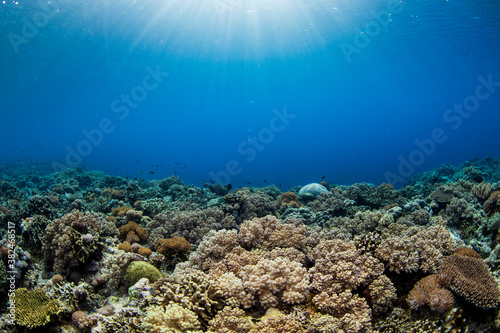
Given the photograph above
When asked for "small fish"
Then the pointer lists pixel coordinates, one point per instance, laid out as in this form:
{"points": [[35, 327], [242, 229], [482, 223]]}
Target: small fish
{"points": [[151, 172], [323, 177], [211, 181]]}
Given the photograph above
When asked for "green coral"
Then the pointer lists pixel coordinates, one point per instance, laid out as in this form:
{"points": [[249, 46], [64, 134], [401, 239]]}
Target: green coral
{"points": [[141, 269], [33, 308], [3, 272]]}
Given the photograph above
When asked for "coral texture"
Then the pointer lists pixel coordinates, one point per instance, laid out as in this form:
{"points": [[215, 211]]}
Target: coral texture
{"points": [[72, 242], [33, 307], [229, 320], [431, 291], [191, 225], [193, 289], [172, 318], [141, 269], [472, 280], [413, 249], [132, 232]]}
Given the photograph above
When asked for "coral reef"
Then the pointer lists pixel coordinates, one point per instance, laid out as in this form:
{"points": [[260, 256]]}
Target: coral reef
{"points": [[133, 233], [245, 205], [289, 199], [98, 253], [432, 291], [192, 289], [137, 270], [33, 308], [172, 318], [73, 242], [191, 225], [471, 279]]}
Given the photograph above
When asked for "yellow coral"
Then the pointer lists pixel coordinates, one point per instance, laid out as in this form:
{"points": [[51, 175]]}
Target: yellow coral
{"points": [[33, 307], [170, 319]]}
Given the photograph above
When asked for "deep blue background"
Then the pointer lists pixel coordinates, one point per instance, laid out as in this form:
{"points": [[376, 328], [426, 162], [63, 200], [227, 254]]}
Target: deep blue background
{"points": [[230, 66]]}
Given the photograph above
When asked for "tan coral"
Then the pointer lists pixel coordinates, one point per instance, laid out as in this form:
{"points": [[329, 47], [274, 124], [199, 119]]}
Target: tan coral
{"points": [[172, 318], [229, 320], [472, 280], [353, 312], [289, 199], [482, 190], [132, 232], [174, 244], [336, 261], [492, 205], [382, 293], [270, 278], [431, 291]]}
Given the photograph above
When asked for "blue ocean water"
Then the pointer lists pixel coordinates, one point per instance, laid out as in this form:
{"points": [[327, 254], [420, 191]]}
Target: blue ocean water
{"points": [[231, 91]]}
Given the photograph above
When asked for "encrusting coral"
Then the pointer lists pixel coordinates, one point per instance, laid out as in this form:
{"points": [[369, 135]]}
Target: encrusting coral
{"points": [[33, 308]]}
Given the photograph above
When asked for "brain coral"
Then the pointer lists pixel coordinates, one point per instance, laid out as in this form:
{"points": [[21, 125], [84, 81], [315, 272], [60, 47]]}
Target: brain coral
{"points": [[141, 269]]}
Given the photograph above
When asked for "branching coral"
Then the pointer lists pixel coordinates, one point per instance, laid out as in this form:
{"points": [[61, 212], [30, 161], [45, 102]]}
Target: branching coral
{"points": [[191, 288], [278, 323], [247, 205], [269, 232], [340, 262], [72, 242], [172, 318], [229, 320], [191, 225], [413, 249], [352, 311], [268, 279]]}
